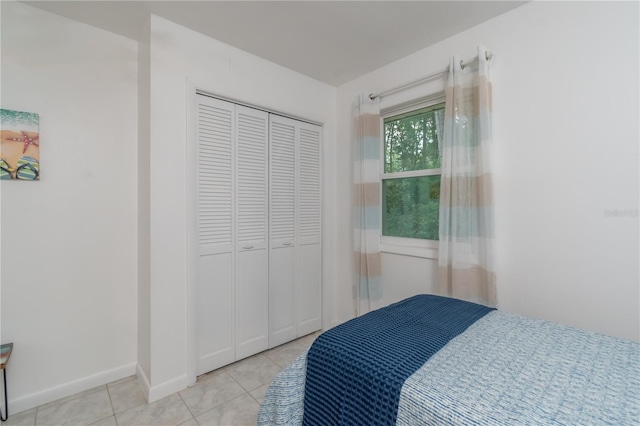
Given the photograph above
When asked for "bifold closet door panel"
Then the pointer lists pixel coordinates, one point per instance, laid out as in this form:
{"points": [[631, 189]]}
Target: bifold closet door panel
{"points": [[308, 289], [214, 321], [282, 321], [252, 303], [282, 229], [282, 162], [252, 205], [308, 263], [215, 327]]}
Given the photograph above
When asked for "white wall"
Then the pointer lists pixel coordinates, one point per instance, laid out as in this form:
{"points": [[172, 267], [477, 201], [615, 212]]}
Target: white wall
{"points": [[565, 117], [69, 240], [180, 57], [144, 205], [405, 276]]}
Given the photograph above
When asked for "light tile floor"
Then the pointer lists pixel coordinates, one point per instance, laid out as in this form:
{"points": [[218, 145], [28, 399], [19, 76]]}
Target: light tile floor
{"points": [[228, 396]]}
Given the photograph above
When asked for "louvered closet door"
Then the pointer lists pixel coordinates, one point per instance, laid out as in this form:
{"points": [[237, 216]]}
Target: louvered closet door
{"points": [[215, 318], [282, 253], [308, 254], [252, 280]]}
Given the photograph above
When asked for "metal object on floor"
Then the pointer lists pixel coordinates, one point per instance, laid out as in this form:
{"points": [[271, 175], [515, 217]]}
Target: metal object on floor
{"points": [[5, 353]]}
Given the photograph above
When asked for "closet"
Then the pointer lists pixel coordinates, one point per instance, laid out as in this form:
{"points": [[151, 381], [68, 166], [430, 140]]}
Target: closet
{"points": [[258, 231], [294, 240]]}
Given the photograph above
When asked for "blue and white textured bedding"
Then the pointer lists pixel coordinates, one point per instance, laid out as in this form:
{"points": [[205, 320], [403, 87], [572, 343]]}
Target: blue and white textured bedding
{"points": [[503, 370], [355, 371]]}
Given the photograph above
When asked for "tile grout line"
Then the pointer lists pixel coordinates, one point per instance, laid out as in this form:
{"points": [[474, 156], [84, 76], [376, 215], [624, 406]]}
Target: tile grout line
{"points": [[69, 398], [238, 383], [242, 387], [249, 392], [113, 410], [224, 403], [254, 398], [188, 408]]}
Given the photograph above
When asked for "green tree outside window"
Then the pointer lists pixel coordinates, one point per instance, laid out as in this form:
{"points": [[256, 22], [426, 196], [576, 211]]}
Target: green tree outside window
{"points": [[410, 204]]}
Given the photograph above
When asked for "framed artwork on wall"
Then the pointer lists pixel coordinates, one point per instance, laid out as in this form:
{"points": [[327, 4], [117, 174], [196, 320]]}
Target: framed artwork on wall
{"points": [[19, 145]]}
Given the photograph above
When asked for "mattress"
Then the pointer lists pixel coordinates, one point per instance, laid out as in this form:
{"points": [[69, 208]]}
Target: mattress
{"points": [[503, 369]]}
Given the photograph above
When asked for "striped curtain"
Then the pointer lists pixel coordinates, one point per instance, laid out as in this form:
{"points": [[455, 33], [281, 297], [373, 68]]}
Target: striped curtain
{"points": [[466, 253], [366, 219]]}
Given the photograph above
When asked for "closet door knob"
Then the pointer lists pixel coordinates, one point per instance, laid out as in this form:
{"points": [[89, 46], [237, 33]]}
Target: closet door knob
{"points": [[247, 247], [288, 243]]}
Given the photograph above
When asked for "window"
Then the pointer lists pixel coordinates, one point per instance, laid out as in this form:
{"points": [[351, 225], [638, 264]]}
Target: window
{"points": [[411, 173]]}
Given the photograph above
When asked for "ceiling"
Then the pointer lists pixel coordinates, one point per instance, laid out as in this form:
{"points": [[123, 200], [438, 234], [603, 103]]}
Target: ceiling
{"points": [[331, 41]]}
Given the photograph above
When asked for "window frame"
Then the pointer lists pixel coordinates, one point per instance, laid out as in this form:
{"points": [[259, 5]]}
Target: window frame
{"points": [[416, 247]]}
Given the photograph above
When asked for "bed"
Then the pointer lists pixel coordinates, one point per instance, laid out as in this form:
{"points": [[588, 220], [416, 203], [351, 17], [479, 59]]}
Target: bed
{"points": [[431, 360]]}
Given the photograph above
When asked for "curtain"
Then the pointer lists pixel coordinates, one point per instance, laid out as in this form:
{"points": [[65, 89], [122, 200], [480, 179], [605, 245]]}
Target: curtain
{"points": [[366, 220], [466, 254], [439, 116]]}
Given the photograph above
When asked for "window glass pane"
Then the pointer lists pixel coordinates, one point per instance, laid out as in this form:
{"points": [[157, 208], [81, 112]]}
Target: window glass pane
{"points": [[410, 207], [411, 141]]}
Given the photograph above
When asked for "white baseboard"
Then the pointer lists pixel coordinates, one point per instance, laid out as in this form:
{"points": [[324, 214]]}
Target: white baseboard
{"points": [[143, 380], [154, 393], [35, 399], [169, 387]]}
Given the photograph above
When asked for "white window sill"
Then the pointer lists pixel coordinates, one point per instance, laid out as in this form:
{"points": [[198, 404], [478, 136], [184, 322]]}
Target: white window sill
{"points": [[409, 250]]}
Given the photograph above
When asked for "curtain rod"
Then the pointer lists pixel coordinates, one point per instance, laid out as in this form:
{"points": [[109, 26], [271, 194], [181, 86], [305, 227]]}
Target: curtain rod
{"points": [[372, 96]]}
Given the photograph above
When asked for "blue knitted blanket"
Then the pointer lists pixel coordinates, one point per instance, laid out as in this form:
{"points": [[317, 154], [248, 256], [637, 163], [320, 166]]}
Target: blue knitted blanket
{"points": [[355, 371]]}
